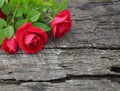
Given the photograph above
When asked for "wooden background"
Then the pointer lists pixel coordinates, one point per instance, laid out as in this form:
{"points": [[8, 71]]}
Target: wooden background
{"points": [[85, 59]]}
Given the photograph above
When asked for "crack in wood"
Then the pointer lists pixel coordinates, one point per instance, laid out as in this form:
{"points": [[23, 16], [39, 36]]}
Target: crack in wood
{"points": [[112, 78], [115, 69], [83, 47], [86, 47]]}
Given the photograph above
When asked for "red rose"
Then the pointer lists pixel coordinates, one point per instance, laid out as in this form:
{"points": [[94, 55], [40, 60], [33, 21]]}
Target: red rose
{"points": [[31, 39], [10, 45], [2, 15], [61, 24]]}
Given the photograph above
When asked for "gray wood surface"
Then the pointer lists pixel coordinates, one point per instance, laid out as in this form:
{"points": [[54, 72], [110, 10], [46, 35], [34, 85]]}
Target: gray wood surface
{"points": [[71, 85], [85, 59], [96, 23]]}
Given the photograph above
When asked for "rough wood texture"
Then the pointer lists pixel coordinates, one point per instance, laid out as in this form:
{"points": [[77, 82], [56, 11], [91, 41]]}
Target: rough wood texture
{"points": [[96, 23], [58, 63], [71, 85], [86, 59]]}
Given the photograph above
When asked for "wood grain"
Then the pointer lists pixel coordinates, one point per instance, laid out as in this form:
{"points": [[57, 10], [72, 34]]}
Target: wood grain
{"points": [[71, 85], [58, 63], [85, 59], [96, 23]]}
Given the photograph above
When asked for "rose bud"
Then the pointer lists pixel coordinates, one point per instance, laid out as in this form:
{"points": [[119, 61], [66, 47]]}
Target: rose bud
{"points": [[61, 24], [31, 39], [10, 46]]}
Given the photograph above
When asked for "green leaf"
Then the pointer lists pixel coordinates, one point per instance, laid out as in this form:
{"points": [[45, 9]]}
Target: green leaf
{"points": [[6, 8], [25, 8], [26, 1], [41, 18], [62, 6], [47, 3], [6, 32], [33, 15], [3, 23], [19, 12], [36, 2], [13, 6], [9, 31], [2, 36], [1, 3], [54, 3], [9, 18], [14, 2], [43, 26], [19, 23], [6, 1]]}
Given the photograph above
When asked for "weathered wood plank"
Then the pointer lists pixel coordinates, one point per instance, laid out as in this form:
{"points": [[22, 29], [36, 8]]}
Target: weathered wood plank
{"points": [[57, 63], [71, 85], [86, 59], [96, 23]]}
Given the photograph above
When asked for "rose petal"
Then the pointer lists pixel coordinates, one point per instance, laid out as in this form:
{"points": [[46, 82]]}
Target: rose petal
{"points": [[28, 38], [39, 32], [59, 20], [23, 28], [61, 24], [24, 32], [54, 31], [20, 34], [12, 44], [4, 46]]}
